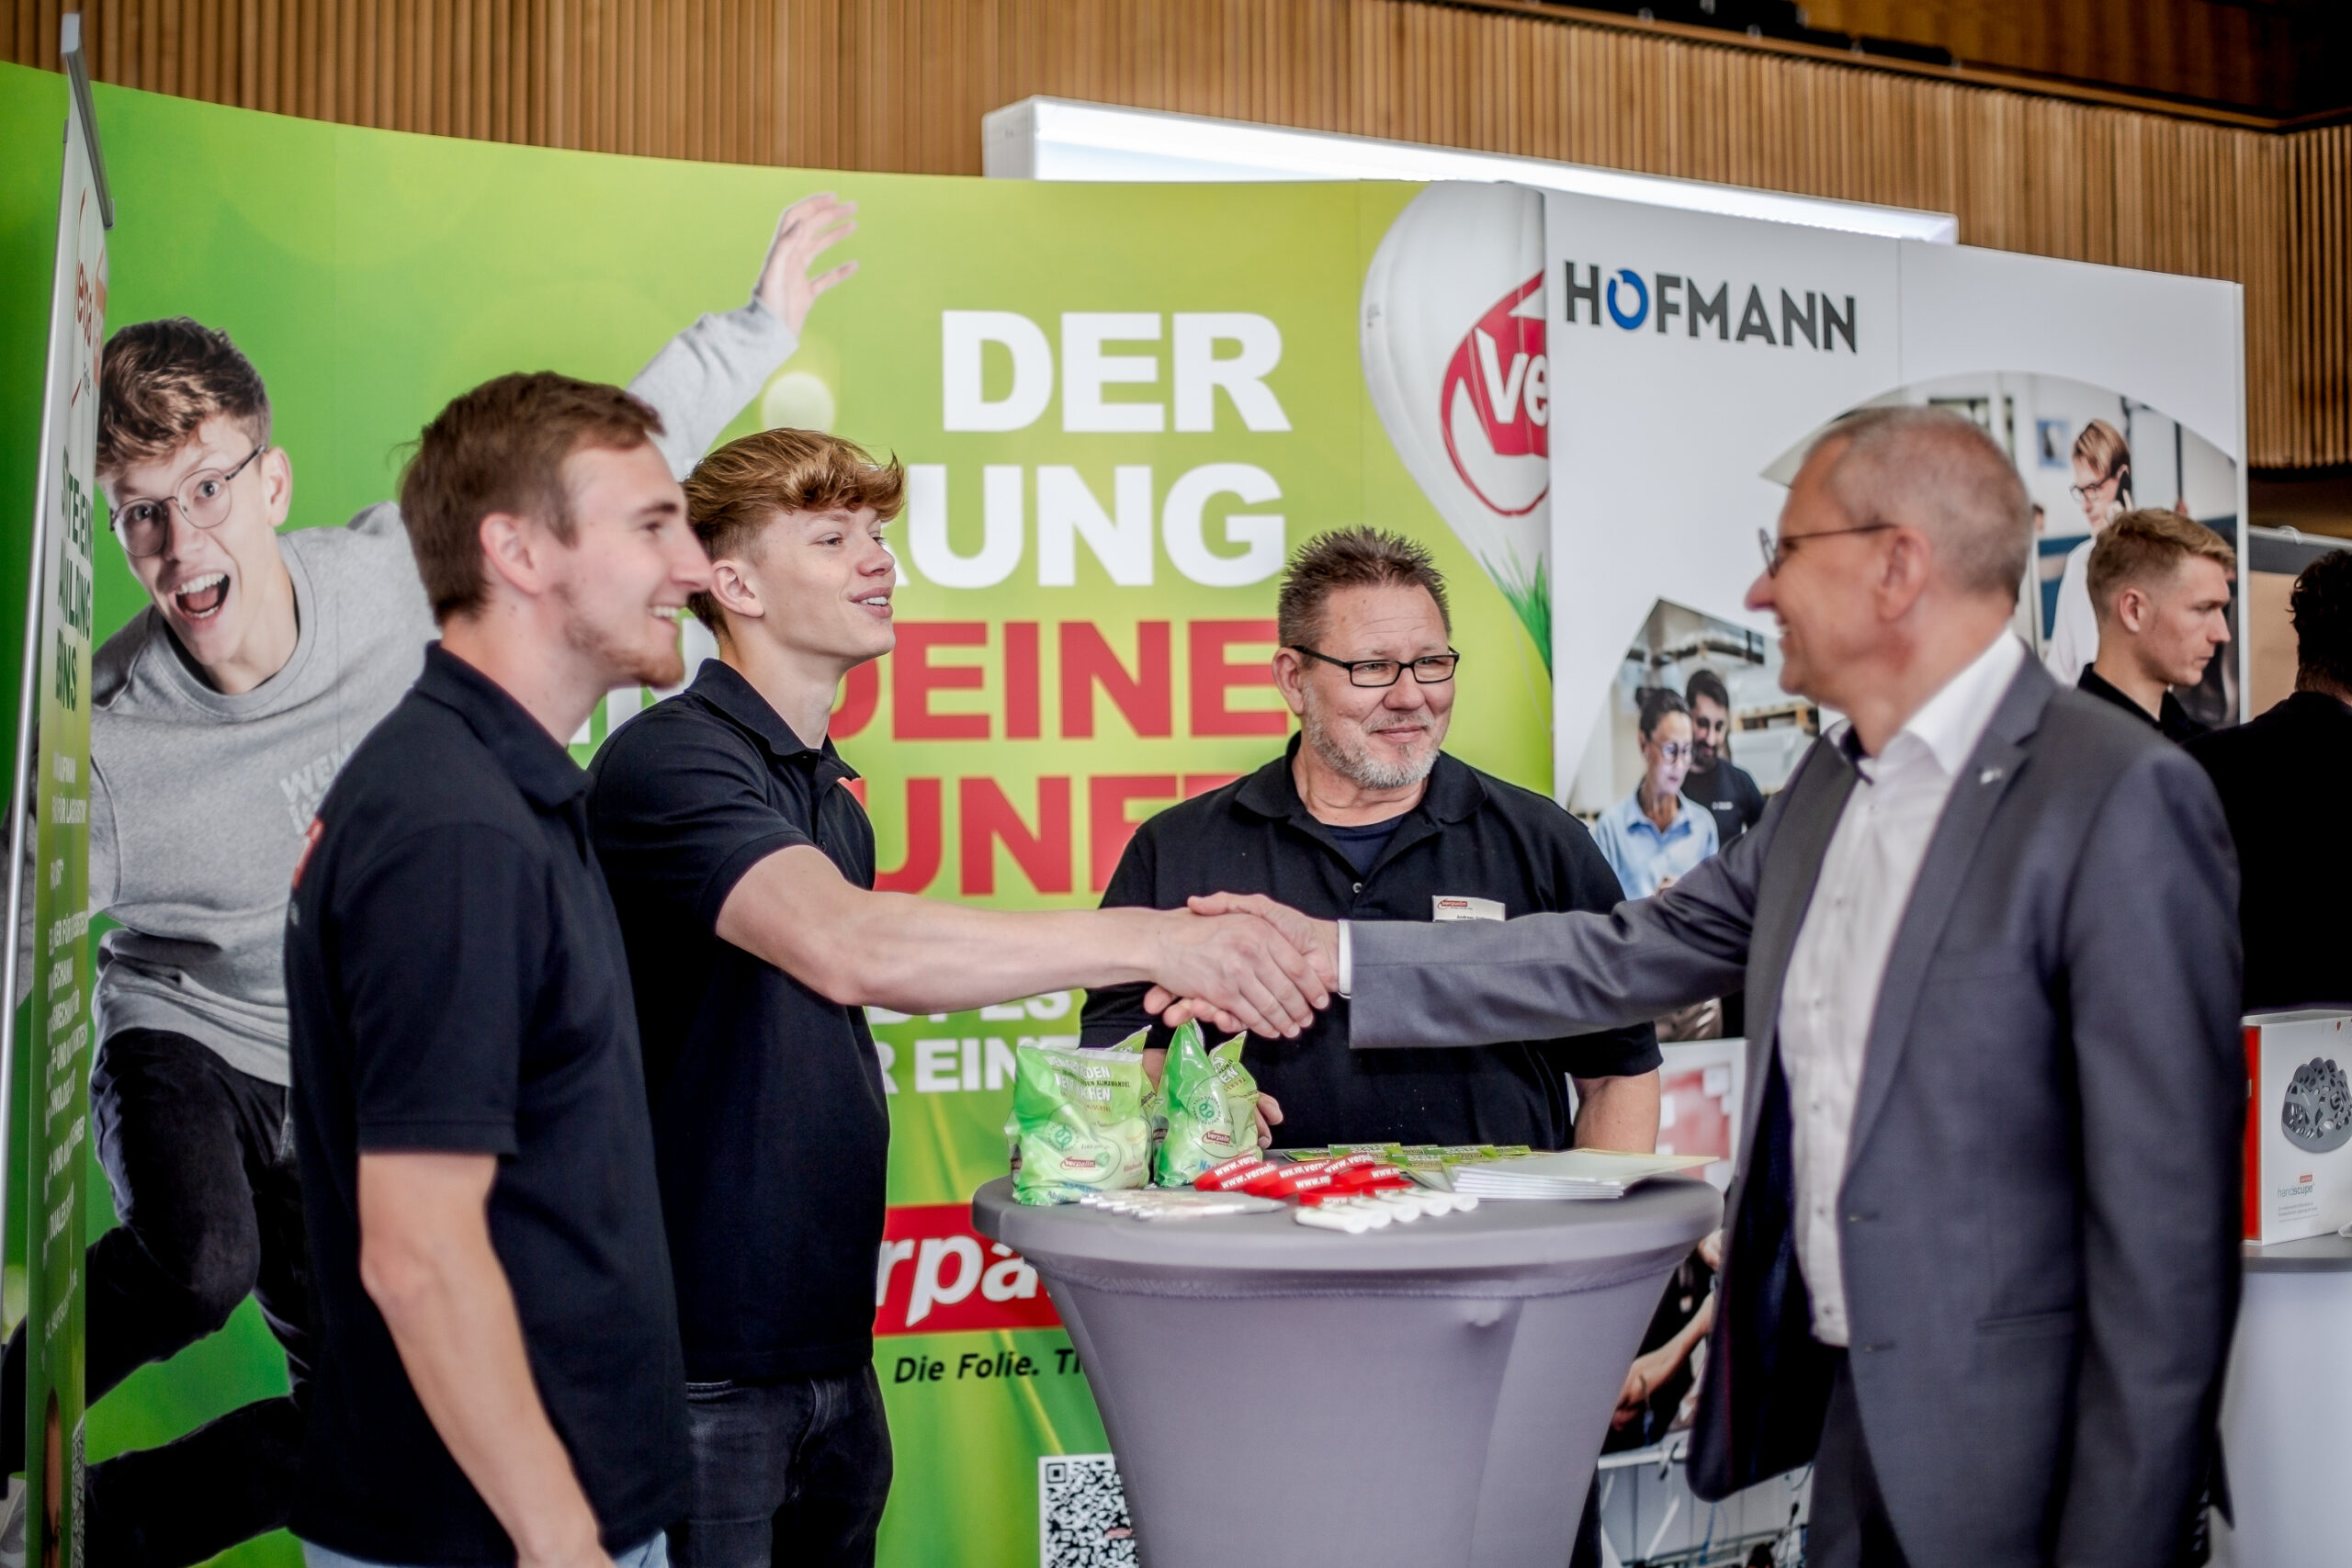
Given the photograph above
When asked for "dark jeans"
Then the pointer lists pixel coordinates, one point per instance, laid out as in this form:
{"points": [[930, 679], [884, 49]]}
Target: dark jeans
{"points": [[200, 1158], [785, 1472], [1847, 1526]]}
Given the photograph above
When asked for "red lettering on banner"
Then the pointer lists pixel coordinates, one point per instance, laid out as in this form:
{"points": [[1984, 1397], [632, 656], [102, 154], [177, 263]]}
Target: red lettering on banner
{"points": [[857, 787], [924, 841], [861, 695], [1213, 677], [1145, 699], [937, 1275], [989, 819], [1201, 784], [913, 678], [1107, 827], [1021, 703]]}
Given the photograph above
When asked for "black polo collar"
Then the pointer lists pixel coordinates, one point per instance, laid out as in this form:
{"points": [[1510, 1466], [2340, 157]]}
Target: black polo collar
{"points": [[540, 765], [723, 687], [1454, 794]]}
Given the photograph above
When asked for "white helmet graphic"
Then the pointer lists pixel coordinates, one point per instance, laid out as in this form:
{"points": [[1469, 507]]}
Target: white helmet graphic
{"points": [[1454, 355]]}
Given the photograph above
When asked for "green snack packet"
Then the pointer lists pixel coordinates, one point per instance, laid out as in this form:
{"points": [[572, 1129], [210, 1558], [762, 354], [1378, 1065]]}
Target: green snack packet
{"points": [[1212, 1105], [1078, 1125]]}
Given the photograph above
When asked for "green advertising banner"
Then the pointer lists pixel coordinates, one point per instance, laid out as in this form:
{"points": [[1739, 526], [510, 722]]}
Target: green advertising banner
{"points": [[1120, 408], [50, 861]]}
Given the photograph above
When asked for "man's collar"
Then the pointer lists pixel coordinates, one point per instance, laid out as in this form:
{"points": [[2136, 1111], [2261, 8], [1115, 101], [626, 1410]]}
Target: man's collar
{"points": [[723, 686], [540, 765], [1950, 723], [1455, 792], [2094, 684]]}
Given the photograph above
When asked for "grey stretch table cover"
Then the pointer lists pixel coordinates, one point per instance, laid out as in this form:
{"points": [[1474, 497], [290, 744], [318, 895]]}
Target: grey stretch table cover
{"points": [[2312, 1255], [1429, 1394]]}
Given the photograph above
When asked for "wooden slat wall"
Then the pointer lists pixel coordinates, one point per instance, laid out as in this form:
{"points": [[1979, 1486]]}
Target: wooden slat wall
{"points": [[900, 85]]}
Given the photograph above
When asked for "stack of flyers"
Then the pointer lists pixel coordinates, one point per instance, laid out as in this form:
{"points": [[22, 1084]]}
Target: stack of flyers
{"points": [[1580, 1173]]}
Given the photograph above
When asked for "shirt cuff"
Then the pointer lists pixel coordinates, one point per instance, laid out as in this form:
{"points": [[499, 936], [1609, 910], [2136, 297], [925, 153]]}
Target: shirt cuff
{"points": [[1347, 962]]}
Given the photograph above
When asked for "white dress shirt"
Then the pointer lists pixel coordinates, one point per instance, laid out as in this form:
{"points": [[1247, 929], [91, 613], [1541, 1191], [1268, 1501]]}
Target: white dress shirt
{"points": [[1841, 949], [2074, 632]]}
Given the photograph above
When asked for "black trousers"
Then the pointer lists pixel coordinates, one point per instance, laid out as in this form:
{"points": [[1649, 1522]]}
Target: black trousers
{"points": [[1847, 1526], [200, 1158], [788, 1474]]}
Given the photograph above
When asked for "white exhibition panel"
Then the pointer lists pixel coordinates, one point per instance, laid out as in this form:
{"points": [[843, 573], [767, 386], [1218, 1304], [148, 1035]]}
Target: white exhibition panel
{"points": [[2168, 341], [1662, 441]]}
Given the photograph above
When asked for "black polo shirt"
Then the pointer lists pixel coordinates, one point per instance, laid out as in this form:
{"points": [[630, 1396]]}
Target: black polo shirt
{"points": [[1471, 837], [457, 985], [770, 1130], [1731, 798], [2172, 719]]}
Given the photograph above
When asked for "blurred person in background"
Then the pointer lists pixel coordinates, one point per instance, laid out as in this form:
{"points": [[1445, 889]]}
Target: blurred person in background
{"points": [[1714, 781], [2102, 487], [2161, 585], [1654, 835], [2290, 909]]}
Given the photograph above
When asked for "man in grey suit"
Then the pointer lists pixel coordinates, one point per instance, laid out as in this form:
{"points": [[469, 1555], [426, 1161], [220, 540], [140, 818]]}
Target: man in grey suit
{"points": [[1982, 1234]]}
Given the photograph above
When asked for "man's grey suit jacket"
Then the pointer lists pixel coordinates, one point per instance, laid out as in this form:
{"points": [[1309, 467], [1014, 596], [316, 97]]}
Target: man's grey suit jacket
{"points": [[2040, 1215]]}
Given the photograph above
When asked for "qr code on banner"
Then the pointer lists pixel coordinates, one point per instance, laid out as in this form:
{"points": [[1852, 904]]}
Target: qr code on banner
{"points": [[1082, 1513]]}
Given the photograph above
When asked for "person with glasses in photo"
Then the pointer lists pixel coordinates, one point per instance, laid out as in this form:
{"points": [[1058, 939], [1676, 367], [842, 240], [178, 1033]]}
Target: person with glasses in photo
{"points": [[2102, 488], [1364, 816], [1654, 835], [220, 714]]}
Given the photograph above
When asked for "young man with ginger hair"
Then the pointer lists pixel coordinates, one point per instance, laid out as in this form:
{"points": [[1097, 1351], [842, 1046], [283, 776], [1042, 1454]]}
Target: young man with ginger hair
{"points": [[742, 868]]}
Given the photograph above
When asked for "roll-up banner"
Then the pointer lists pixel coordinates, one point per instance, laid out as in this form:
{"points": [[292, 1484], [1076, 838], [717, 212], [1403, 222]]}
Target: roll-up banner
{"points": [[1120, 407], [46, 1167]]}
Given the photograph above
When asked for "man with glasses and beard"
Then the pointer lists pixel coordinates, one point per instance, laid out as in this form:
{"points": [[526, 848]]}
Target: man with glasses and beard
{"points": [[1365, 818]]}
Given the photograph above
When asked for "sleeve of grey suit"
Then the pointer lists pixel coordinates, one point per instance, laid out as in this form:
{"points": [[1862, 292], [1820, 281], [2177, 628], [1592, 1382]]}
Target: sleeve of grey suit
{"points": [[2152, 964], [1484, 982]]}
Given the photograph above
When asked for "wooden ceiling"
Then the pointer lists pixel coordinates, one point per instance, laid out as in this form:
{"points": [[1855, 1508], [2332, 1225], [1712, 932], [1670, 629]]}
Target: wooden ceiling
{"points": [[2224, 187]]}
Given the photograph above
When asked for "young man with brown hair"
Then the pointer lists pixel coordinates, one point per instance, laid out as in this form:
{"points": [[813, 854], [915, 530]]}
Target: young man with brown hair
{"points": [[2160, 585], [220, 714], [742, 869], [498, 1377]]}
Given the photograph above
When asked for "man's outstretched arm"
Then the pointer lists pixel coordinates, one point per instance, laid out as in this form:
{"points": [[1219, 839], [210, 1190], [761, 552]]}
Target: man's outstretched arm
{"points": [[1490, 982], [855, 947], [703, 378]]}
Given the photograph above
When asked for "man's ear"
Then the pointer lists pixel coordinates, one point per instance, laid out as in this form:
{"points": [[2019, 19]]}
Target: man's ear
{"points": [[1290, 677], [2132, 605], [516, 550], [276, 484], [1910, 563], [735, 592]]}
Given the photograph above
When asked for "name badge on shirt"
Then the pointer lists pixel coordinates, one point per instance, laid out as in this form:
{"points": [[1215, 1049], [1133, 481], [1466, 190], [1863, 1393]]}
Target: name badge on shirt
{"points": [[1445, 909]]}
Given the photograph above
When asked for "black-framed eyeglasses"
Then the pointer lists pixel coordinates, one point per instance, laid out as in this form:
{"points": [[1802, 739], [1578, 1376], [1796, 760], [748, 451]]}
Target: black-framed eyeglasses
{"points": [[1778, 552], [145, 526], [1675, 750], [1432, 670]]}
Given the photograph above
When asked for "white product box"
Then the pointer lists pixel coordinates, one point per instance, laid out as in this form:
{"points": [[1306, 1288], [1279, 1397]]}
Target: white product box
{"points": [[2299, 1124]]}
